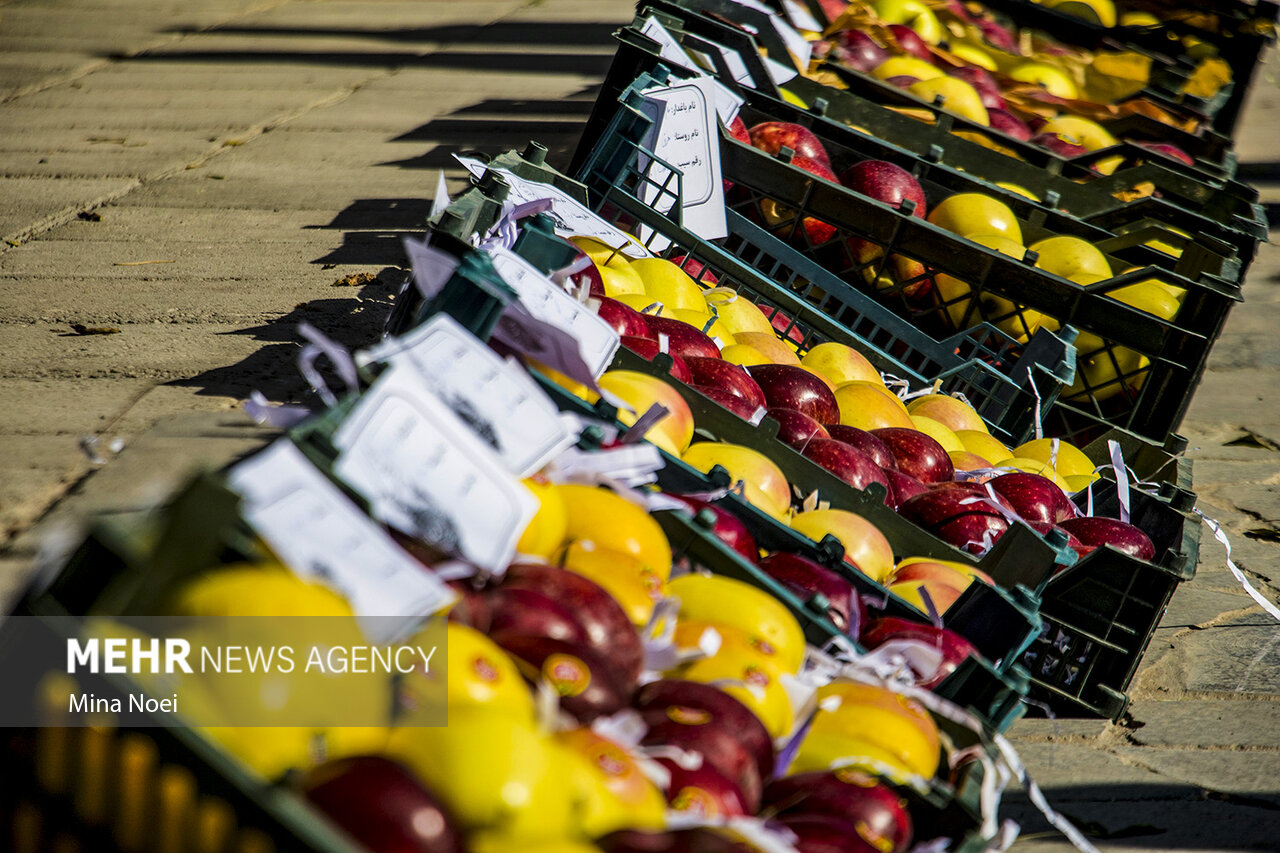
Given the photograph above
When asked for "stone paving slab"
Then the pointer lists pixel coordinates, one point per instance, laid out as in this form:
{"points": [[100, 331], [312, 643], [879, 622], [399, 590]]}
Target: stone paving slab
{"points": [[30, 203], [1207, 723]]}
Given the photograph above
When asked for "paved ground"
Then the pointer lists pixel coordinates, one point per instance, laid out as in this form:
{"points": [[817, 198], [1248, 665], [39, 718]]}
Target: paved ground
{"points": [[203, 175]]}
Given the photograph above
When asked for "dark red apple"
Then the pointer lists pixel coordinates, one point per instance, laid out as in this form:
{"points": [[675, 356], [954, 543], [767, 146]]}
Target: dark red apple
{"points": [[607, 625], [1169, 150], [695, 707], [589, 684], [950, 513], [772, 136], [857, 50], [998, 35], [886, 182], [648, 349], [472, 607], [1058, 145], [380, 804], [879, 814], [1006, 122], [738, 130], [902, 81], [953, 647], [624, 319], [728, 528], [917, 454], [957, 8], [846, 462], [703, 792], [695, 269], [682, 339], [740, 407], [1072, 542], [807, 578], [866, 442], [695, 840], [782, 323], [731, 378], [720, 747], [531, 613], [816, 833], [796, 428], [787, 386], [902, 487], [1096, 532], [910, 42], [982, 81], [1033, 497], [815, 230]]}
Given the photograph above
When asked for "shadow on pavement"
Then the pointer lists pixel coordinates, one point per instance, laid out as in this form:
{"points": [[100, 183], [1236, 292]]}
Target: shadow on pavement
{"points": [[513, 32]]}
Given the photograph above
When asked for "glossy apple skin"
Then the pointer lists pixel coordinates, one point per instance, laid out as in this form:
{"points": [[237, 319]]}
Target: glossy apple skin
{"points": [[532, 613], [1169, 150], [886, 182], [880, 815], [719, 747], [1056, 144], [846, 462], [599, 687], [591, 273], [379, 803], [728, 528], [472, 607], [1006, 122], [817, 833], [786, 386], [942, 511], [806, 577], [1095, 531], [857, 50], [704, 792], [648, 349], [954, 648], [902, 487], [732, 402], [695, 840], [693, 705], [902, 81], [732, 378], [606, 624], [682, 339], [1072, 542], [1033, 497], [917, 454], [624, 319], [985, 85], [911, 43], [866, 442], [796, 428], [772, 136]]}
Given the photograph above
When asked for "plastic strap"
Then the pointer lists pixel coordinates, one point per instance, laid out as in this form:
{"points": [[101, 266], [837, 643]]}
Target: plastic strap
{"points": [[441, 201], [643, 424], [320, 344], [280, 417], [1039, 426], [1060, 823], [1122, 478], [1221, 536]]}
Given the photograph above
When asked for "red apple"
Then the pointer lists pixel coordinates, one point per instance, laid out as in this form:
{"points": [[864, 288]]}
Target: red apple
{"points": [[910, 42], [867, 443], [695, 840], [472, 607], [624, 319], [886, 182], [590, 685], [1056, 144], [727, 376], [954, 648], [1169, 150], [784, 324], [728, 528], [825, 834], [772, 136], [902, 487], [738, 130], [703, 792], [789, 387], [998, 35], [727, 400], [607, 625], [380, 804], [697, 707], [775, 214], [982, 81], [1072, 542], [948, 511], [917, 454], [879, 814], [846, 462], [695, 269], [1006, 122], [902, 81], [1033, 497], [796, 428], [1096, 531], [531, 613], [682, 339], [648, 349], [857, 50], [807, 578]]}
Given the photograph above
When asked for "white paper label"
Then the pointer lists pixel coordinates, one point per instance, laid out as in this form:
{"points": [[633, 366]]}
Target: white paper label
{"points": [[685, 135], [425, 472], [508, 408], [321, 535], [597, 340], [800, 16], [670, 49], [779, 72], [571, 218], [796, 44], [431, 267], [732, 61]]}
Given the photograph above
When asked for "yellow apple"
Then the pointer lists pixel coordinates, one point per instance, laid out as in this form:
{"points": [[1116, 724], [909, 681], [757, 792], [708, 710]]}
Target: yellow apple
{"points": [[974, 56], [640, 391], [668, 284], [956, 295], [1020, 190], [915, 14], [968, 214], [1048, 77], [743, 355], [1069, 256], [899, 726], [1035, 466], [753, 680], [957, 96], [737, 313], [765, 485], [963, 460], [983, 444], [602, 519], [618, 793], [769, 346], [906, 66], [840, 363], [623, 576], [950, 411], [867, 405], [614, 266], [770, 628], [865, 547], [1102, 12], [939, 432], [1069, 462]]}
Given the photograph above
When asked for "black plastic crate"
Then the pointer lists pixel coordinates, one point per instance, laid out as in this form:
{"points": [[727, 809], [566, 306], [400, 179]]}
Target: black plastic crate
{"points": [[1156, 363]]}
